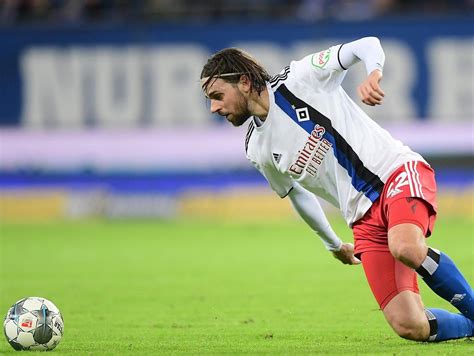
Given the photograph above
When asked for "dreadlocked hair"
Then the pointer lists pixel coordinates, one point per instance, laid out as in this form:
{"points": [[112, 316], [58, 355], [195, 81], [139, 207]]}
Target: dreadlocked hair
{"points": [[229, 64]]}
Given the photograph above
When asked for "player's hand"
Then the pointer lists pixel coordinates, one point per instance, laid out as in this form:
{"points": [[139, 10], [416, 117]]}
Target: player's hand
{"points": [[370, 91], [346, 254]]}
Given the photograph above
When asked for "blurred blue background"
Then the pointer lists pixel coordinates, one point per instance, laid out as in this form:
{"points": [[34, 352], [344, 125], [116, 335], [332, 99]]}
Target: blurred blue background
{"points": [[102, 115]]}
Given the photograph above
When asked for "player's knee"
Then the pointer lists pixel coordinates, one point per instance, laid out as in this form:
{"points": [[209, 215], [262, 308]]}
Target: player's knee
{"points": [[410, 333], [407, 245], [409, 328], [408, 255]]}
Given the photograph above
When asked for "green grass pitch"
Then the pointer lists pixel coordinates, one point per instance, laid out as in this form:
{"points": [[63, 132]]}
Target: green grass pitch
{"points": [[197, 287]]}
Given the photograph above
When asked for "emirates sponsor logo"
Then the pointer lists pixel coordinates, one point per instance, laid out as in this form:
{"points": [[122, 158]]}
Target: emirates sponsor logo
{"points": [[312, 155]]}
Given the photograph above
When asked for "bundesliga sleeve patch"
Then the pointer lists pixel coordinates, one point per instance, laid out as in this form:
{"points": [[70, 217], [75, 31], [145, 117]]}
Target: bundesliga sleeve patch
{"points": [[320, 59]]}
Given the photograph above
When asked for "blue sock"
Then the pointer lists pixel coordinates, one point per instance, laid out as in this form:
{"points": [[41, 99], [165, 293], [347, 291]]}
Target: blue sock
{"points": [[441, 274], [445, 325]]}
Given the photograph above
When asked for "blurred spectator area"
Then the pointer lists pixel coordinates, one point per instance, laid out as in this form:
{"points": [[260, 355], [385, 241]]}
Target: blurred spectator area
{"points": [[80, 11]]}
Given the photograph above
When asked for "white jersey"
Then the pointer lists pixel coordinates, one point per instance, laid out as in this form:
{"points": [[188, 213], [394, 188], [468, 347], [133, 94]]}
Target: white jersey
{"points": [[315, 135]]}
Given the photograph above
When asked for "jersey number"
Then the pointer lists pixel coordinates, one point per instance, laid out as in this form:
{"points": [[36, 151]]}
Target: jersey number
{"points": [[394, 187]]}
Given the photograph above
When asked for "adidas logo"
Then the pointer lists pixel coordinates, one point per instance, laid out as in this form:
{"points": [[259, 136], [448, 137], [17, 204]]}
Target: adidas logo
{"points": [[277, 157], [457, 298]]}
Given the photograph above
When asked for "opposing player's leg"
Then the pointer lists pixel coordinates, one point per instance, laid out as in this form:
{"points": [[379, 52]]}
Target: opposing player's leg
{"points": [[408, 225]]}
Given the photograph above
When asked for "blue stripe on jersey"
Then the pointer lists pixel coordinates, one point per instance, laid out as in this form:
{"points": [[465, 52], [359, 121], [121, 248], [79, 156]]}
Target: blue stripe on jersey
{"points": [[361, 178]]}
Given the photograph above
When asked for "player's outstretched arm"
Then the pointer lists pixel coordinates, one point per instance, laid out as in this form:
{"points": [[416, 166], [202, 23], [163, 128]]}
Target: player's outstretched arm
{"points": [[346, 254], [370, 52], [370, 91], [308, 207]]}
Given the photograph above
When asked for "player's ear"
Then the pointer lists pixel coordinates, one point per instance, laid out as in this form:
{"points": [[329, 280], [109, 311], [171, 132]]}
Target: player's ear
{"points": [[245, 84]]}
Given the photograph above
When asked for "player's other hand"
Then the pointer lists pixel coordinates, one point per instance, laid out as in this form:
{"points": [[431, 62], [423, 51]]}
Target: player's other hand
{"points": [[370, 91], [346, 254]]}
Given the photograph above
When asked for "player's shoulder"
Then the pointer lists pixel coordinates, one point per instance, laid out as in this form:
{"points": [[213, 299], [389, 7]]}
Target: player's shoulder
{"points": [[279, 78], [291, 74], [297, 72]]}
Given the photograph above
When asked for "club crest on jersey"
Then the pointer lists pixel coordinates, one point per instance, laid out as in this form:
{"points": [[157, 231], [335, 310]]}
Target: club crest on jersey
{"points": [[302, 114], [311, 156], [320, 59]]}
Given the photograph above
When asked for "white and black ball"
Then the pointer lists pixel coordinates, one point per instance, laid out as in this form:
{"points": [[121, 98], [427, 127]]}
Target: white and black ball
{"points": [[33, 323]]}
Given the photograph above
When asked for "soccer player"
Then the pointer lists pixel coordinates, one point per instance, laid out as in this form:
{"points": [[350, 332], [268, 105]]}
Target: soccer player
{"points": [[308, 138]]}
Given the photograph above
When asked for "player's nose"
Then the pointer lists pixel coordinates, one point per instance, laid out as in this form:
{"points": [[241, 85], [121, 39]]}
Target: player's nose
{"points": [[215, 107]]}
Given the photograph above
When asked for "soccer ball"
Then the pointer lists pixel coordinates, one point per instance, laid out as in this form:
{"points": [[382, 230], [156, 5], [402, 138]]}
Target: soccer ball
{"points": [[33, 324]]}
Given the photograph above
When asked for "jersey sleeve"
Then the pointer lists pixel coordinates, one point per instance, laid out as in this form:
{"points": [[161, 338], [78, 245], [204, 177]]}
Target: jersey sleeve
{"points": [[322, 70], [279, 182], [325, 70]]}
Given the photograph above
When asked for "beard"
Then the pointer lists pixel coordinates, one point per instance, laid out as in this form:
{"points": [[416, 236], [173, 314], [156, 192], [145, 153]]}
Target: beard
{"points": [[240, 114], [238, 119]]}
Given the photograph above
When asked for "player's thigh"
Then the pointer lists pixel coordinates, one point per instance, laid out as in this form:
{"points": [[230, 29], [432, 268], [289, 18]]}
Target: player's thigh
{"points": [[387, 277], [395, 288]]}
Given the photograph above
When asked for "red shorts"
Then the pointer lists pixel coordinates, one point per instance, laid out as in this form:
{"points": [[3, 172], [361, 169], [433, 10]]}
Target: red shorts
{"points": [[411, 180], [409, 196], [387, 276]]}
